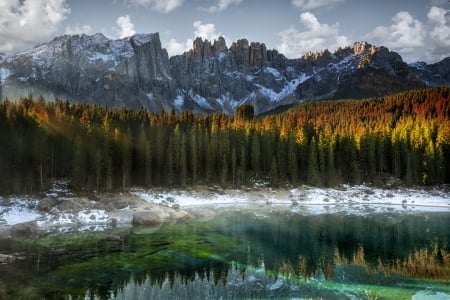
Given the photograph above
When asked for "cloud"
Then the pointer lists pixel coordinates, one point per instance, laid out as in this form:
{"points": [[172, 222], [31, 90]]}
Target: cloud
{"points": [[204, 31], [25, 23], [313, 4], [164, 6], [405, 35], [439, 47], [85, 29], [316, 37], [223, 5], [126, 28], [174, 47]]}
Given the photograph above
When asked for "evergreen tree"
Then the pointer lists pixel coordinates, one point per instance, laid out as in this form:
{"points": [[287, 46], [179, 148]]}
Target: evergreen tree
{"points": [[313, 175], [292, 158], [274, 172], [234, 164], [194, 163], [256, 154]]}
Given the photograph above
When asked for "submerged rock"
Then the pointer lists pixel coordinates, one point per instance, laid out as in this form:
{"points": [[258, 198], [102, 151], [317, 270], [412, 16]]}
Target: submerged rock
{"points": [[147, 218]]}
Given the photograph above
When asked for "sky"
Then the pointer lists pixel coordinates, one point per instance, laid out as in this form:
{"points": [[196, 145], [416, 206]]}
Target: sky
{"points": [[419, 30]]}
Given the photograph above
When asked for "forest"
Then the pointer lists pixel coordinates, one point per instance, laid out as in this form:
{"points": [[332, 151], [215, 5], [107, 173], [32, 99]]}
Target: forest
{"points": [[320, 143]]}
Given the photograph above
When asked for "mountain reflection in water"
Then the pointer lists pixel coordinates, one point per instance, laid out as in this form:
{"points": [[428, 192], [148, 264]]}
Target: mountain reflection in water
{"points": [[240, 255]]}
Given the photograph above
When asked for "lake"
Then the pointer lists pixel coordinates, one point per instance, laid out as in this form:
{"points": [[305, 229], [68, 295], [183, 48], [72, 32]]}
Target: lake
{"points": [[239, 254]]}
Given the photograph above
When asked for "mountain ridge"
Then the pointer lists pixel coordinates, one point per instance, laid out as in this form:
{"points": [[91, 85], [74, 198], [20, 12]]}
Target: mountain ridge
{"points": [[211, 77]]}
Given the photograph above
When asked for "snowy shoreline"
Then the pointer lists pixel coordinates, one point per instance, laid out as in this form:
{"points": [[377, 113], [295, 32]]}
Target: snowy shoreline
{"points": [[60, 210]]}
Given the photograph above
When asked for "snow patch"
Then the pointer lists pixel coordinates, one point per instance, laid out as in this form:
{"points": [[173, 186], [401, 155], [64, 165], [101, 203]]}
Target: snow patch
{"points": [[420, 65], [101, 56], [353, 200], [84, 217], [141, 39], [199, 100], [187, 199], [275, 73], [179, 101], [222, 56], [289, 89], [150, 96], [4, 74], [20, 211], [249, 77], [244, 100], [96, 48]]}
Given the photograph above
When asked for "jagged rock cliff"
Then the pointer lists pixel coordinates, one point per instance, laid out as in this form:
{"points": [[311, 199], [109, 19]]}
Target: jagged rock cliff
{"points": [[137, 72]]}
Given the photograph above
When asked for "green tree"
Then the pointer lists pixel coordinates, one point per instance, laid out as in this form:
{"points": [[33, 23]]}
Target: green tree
{"points": [[313, 175], [256, 154]]}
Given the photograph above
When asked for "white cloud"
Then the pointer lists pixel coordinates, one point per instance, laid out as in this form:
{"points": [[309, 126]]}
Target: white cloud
{"points": [[25, 23], [223, 5], [85, 29], [174, 47], [164, 6], [205, 31], [439, 47], [313, 4], [405, 35], [316, 37], [126, 28]]}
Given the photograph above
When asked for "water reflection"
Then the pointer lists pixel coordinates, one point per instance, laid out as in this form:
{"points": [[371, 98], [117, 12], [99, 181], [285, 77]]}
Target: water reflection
{"points": [[239, 255], [235, 284], [293, 280]]}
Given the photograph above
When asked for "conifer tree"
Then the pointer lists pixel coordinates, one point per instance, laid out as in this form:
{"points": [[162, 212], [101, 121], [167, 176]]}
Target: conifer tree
{"points": [[193, 160], [292, 158], [256, 154], [313, 175]]}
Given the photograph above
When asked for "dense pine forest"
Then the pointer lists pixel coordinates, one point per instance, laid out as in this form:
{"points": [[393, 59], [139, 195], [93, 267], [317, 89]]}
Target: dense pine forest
{"points": [[404, 136]]}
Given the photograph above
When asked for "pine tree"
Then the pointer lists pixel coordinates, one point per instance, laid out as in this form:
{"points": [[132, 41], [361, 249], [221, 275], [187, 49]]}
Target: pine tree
{"points": [[148, 164], [224, 175], [274, 172], [256, 154], [126, 158], [332, 176], [292, 158], [194, 163], [313, 175], [79, 162], [183, 162], [234, 165]]}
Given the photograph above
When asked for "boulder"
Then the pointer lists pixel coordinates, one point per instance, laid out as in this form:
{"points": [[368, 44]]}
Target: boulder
{"points": [[148, 218], [24, 229]]}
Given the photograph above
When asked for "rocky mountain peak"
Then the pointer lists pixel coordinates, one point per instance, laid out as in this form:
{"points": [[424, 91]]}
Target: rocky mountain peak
{"points": [[361, 48], [249, 54], [319, 59], [137, 72], [203, 49]]}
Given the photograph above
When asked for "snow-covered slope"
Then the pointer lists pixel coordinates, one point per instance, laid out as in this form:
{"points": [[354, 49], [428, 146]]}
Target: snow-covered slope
{"points": [[209, 77]]}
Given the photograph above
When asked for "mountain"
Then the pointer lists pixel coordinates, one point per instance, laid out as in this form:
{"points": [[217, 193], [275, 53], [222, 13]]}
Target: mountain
{"points": [[137, 72]]}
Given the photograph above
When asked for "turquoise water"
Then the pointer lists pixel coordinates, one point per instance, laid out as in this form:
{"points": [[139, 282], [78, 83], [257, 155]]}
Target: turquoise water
{"points": [[238, 255]]}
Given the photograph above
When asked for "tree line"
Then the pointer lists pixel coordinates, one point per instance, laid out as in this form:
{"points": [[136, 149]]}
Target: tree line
{"points": [[322, 143]]}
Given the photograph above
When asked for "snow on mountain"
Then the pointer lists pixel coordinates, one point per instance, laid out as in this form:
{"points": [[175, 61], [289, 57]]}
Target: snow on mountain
{"points": [[179, 101], [4, 74], [288, 89], [200, 101], [209, 77]]}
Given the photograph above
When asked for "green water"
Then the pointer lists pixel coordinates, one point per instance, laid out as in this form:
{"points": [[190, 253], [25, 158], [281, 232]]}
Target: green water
{"points": [[238, 255]]}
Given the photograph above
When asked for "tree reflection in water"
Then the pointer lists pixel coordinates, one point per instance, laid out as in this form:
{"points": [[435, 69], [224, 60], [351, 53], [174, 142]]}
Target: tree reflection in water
{"points": [[239, 255]]}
